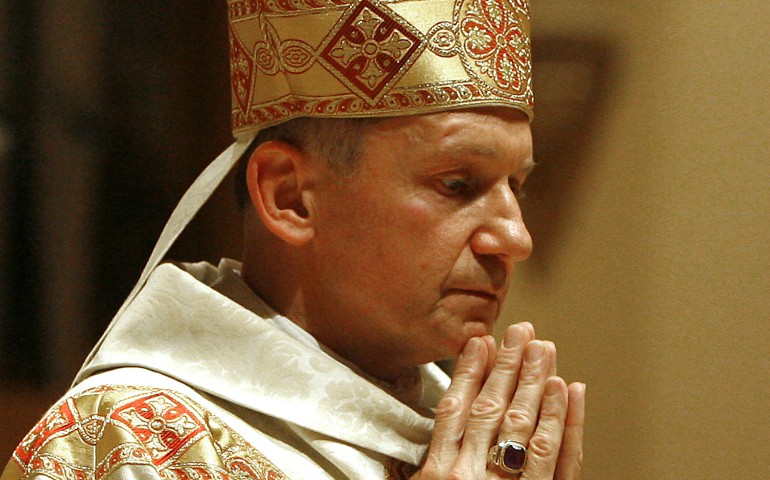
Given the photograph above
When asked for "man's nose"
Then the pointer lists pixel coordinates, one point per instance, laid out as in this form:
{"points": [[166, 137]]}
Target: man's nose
{"points": [[503, 232]]}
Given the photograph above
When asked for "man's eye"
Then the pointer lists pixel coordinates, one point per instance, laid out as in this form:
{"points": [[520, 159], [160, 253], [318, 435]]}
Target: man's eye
{"points": [[454, 185]]}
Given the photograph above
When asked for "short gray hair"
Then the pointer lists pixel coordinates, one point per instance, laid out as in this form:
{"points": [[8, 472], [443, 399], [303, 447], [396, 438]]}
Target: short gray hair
{"points": [[338, 141]]}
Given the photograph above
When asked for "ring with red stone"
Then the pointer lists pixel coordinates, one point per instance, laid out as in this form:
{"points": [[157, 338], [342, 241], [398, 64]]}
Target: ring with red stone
{"points": [[509, 455]]}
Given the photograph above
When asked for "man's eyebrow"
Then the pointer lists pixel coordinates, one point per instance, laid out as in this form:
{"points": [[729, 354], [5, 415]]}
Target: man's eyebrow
{"points": [[487, 151], [479, 151], [482, 150]]}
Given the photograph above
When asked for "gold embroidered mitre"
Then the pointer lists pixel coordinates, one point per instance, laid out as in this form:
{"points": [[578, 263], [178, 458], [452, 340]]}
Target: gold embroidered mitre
{"points": [[361, 58]]}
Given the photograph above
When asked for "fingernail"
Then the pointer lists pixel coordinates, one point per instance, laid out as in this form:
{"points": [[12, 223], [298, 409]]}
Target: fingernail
{"points": [[471, 348], [552, 386], [528, 327], [513, 336], [535, 351]]}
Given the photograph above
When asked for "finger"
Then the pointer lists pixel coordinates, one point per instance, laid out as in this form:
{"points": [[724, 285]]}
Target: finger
{"points": [[552, 352], [488, 409], [571, 452], [505, 366], [530, 328], [521, 417], [453, 409], [491, 353], [544, 446], [529, 331]]}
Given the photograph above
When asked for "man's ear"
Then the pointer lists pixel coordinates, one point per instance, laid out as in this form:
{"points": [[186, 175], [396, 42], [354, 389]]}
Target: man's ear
{"points": [[277, 177]]}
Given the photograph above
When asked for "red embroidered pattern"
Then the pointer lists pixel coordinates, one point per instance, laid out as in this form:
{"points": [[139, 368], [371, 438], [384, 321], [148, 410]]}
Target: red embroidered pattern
{"points": [[163, 424], [59, 421], [496, 41], [54, 467], [241, 72], [370, 49], [350, 104]]}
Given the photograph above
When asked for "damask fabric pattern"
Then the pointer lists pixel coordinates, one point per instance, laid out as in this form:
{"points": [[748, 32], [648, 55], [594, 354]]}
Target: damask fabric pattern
{"points": [[209, 358], [359, 58], [101, 431]]}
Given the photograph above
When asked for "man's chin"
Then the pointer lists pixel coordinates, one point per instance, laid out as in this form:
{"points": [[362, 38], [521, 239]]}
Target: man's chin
{"points": [[477, 314], [471, 329]]}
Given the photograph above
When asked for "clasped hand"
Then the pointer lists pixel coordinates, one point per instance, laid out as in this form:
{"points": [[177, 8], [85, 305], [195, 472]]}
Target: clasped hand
{"points": [[508, 394]]}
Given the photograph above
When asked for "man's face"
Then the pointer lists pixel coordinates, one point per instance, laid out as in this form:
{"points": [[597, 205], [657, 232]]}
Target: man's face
{"points": [[414, 253]]}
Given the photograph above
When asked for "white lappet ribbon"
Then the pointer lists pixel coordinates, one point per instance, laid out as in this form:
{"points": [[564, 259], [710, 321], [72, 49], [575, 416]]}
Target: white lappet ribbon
{"points": [[189, 205]]}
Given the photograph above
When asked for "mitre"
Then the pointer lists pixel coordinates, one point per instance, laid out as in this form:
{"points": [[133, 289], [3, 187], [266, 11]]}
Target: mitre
{"points": [[342, 58]]}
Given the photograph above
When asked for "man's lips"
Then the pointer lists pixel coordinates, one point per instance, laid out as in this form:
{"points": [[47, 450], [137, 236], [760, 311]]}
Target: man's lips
{"points": [[483, 294]]}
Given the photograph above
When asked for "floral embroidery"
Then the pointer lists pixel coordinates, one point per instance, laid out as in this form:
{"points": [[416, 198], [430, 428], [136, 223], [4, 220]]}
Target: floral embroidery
{"points": [[498, 44], [241, 72]]}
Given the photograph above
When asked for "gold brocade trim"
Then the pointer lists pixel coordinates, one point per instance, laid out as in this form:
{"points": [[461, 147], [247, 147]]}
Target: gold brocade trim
{"points": [[240, 9], [427, 99], [93, 433], [133, 454], [359, 58]]}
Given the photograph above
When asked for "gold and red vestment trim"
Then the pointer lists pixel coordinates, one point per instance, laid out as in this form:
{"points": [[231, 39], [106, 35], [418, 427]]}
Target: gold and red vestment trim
{"points": [[92, 434]]}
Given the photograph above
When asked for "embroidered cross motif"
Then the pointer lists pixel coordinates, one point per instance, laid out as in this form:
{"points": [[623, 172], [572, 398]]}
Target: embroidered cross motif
{"points": [[370, 49], [164, 425]]}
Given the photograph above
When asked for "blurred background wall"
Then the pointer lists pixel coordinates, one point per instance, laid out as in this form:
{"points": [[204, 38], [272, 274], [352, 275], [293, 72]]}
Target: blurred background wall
{"points": [[655, 282], [108, 111], [649, 208]]}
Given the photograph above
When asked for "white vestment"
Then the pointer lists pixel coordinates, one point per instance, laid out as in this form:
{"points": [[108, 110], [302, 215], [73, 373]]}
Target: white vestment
{"points": [[199, 355]]}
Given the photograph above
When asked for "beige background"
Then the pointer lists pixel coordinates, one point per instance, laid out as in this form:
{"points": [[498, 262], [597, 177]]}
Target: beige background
{"points": [[658, 294]]}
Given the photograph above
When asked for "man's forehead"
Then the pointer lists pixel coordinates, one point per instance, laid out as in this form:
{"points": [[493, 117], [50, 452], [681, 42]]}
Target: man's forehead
{"points": [[436, 127], [448, 116], [444, 139], [447, 124]]}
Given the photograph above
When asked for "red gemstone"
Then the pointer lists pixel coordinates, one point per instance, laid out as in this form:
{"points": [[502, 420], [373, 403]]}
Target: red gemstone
{"points": [[514, 456]]}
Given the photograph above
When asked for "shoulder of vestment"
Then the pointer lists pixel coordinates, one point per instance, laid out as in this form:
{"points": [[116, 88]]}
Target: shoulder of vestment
{"points": [[143, 431]]}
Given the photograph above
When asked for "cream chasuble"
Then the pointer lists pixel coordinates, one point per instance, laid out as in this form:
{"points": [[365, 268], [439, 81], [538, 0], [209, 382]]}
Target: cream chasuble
{"points": [[189, 383]]}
